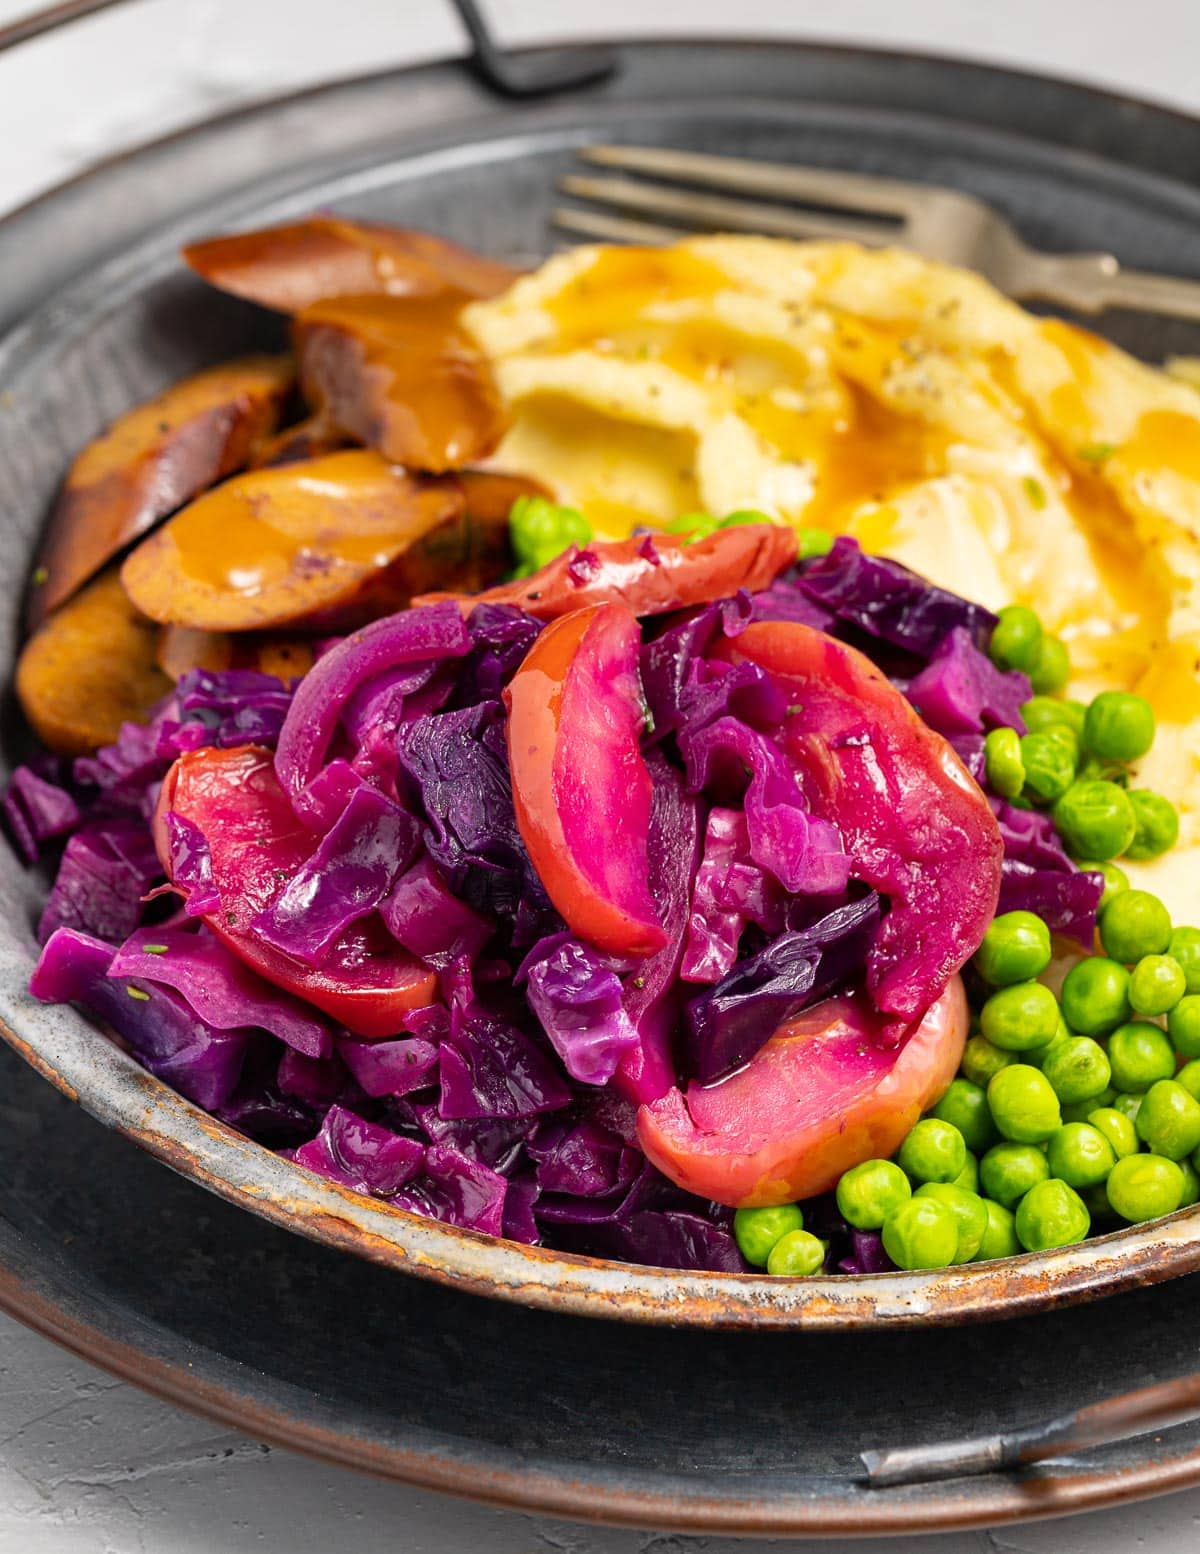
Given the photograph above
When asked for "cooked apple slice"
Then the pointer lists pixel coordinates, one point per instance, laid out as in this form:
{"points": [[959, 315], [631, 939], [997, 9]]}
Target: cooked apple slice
{"points": [[149, 462], [581, 789], [291, 267], [824, 1094], [400, 375], [916, 827], [325, 542], [652, 574], [89, 668], [233, 802]]}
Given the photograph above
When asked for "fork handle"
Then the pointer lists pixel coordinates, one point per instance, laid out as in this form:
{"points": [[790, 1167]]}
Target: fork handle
{"points": [[1091, 283]]}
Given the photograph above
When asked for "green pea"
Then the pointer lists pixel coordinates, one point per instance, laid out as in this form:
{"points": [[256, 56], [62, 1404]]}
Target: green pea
{"points": [[1050, 765], [1002, 762], [968, 1210], [1020, 1018], [1051, 1214], [934, 1151], [1095, 995], [1008, 1171], [868, 1193], [813, 542], [1185, 948], [1128, 1105], [1189, 1077], [1000, 1237], [1119, 726], [1096, 1201], [757, 1230], [745, 516], [1143, 1187], [1045, 712], [1080, 1155], [1117, 1128], [1139, 1054], [1114, 879], [696, 526], [797, 1255], [1024, 1105], [1191, 1184], [1081, 1111], [1066, 736], [1183, 1026], [1168, 1122], [540, 530], [1051, 667], [921, 1233], [1015, 948], [1095, 819], [1157, 825], [1156, 984], [1134, 924], [965, 1106], [980, 1060], [1077, 1068], [1016, 639]]}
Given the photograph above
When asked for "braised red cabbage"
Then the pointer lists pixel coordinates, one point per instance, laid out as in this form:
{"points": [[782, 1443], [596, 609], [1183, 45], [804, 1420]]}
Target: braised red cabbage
{"points": [[106, 870], [507, 1105], [886, 600], [353, 868], [727, 1025], [960, 690], [164, 1031], [577, 997]]}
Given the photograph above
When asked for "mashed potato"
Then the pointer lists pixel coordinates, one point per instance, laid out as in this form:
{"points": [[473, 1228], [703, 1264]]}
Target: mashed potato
{"points": [[1007, 457]]}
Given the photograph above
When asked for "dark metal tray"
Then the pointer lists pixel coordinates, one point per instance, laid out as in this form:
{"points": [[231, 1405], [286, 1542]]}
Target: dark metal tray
{"points": [[299, 1343]]}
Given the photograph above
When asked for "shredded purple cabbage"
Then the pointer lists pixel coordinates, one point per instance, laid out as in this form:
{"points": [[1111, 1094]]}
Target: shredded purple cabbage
{"points": [[727, 1025], [731, 891], [191, 864], [578, 1000], [37, 811], [960, 690], [1037, 875], [508, 1106], [161, 1027], [458, 765], [391, 1067], [885, 600], [362, 1155], [220, 989], [424, 915], [107, 868], [356, 864]]}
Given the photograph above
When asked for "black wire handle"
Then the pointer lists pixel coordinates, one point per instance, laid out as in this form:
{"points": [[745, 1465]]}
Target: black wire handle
{"points": [[533, 74]]}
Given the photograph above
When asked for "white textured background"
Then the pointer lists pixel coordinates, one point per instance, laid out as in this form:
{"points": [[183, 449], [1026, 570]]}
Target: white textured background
{"points": [[88, 1465]]}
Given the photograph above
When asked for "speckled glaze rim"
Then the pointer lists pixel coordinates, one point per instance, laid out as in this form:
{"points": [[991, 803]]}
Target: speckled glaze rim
{"points": [[61, 1045]]}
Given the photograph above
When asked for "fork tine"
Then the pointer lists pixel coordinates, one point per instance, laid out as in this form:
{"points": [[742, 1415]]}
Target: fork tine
{"points": [[612, 229], [847, 191], [715, 211]]}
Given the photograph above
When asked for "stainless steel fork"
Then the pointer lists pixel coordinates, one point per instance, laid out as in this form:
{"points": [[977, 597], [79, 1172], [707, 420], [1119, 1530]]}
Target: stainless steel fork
{"points": [[673, 193]]}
